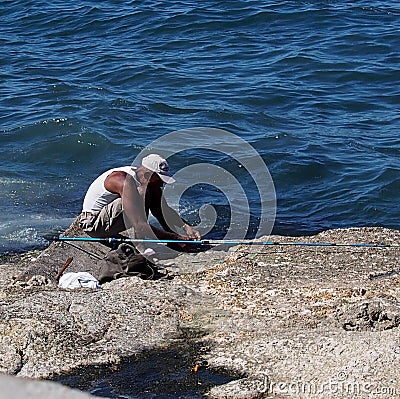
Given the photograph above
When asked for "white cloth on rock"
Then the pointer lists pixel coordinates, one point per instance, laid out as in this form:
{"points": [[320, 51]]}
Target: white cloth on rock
{"points": [[78, 280]]}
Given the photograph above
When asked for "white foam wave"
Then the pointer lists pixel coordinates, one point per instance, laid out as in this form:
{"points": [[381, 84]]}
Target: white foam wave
{"points": [[10, 180], [25, 233]]}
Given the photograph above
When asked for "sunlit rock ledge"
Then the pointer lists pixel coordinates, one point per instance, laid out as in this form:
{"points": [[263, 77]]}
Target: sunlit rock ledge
{"points": [[285, 320]]}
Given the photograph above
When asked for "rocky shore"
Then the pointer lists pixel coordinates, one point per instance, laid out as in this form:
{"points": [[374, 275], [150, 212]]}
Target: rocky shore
{"points": [[284, 321]]}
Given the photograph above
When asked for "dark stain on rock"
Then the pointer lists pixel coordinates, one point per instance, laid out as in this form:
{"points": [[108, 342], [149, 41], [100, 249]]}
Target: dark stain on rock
{"points": [[377, 315]]}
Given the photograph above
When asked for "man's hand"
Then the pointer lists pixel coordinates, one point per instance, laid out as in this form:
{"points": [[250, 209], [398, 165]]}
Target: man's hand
{"points": [[183, 247], [192, 233]]}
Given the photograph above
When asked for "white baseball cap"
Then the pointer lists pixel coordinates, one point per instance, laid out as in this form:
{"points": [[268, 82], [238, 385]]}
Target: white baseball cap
{"points": [[159, 165]]}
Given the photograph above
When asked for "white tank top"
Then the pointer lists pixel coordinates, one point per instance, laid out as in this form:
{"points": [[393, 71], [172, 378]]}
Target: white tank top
{"points": [[97, 196]]}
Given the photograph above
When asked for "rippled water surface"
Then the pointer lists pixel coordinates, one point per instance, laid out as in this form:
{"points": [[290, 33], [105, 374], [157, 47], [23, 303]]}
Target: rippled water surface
{"points": [[312, 86]]}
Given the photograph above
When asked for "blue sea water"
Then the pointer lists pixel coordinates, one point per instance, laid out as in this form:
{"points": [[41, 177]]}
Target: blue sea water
{"points": [[312, 86]]}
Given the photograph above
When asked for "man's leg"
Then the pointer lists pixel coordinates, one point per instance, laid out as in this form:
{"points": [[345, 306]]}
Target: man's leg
{"points": [[106, 223]]}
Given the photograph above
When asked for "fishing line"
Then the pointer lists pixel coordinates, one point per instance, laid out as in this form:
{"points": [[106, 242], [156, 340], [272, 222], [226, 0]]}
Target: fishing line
{"points": [[83, 250]]}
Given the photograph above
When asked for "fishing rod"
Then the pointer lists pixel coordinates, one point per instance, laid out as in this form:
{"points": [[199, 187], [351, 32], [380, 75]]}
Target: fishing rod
{"points": [[113, 240]]}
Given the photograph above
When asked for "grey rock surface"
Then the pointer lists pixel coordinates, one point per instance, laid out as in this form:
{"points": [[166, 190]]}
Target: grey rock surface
{"points": [[290, 321], [22, 388]]}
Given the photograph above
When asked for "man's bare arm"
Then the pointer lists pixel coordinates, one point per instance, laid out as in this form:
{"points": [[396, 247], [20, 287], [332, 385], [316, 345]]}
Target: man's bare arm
{"points": [[168, 217], [124, 185]]}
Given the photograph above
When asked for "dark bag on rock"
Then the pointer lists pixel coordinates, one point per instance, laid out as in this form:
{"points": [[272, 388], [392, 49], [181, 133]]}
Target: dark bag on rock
{"points": [[125, 261]]}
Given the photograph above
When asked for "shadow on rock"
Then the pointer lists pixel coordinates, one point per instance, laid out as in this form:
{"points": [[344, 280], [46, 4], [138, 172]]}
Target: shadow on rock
{"points": [[176, 371]]}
